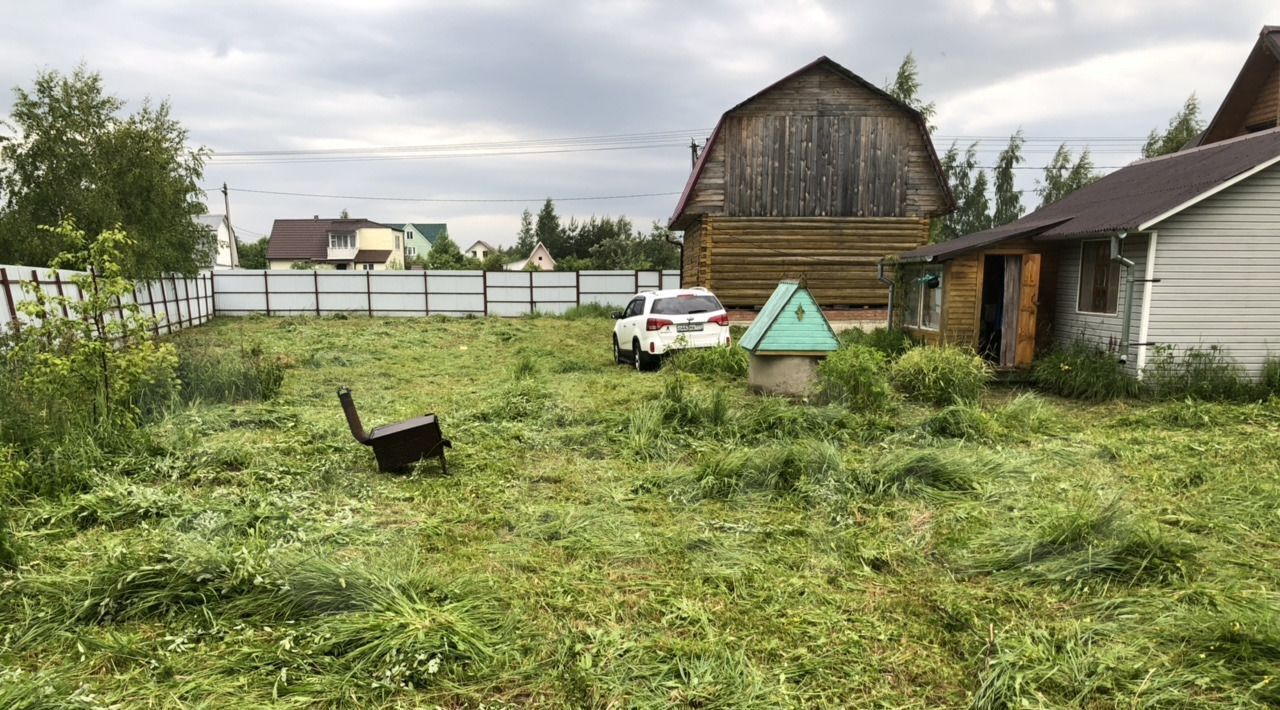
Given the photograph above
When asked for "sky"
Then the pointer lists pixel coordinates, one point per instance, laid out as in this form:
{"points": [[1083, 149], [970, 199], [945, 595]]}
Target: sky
{"points": [[502, 92]]}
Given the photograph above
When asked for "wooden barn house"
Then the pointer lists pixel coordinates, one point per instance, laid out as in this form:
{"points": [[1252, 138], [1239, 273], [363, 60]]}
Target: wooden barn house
{"points": [[817, 176]]}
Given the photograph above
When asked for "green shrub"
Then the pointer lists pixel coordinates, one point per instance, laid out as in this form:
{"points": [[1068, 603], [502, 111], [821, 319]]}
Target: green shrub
{"points": [[524, 368], [683, 408], [856, 376], [1270, 380], [1081, 371], [1200, 373], [941, 375], [890, 341], [79, 374], [963, 420], [724, 362], [224, 375]]}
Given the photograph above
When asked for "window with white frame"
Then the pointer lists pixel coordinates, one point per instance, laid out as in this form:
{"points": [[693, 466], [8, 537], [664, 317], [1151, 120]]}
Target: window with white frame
{"points": [[410, 252], [342, 240], [1099, 278], [922, 299]]}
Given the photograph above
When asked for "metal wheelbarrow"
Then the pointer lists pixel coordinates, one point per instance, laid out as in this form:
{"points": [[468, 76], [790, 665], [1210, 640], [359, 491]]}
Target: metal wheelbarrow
{"points": [[398, 446]]}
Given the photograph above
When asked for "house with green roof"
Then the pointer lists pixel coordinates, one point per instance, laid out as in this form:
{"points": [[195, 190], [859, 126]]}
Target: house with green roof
{"points": [[786, 341], [419, 237]]}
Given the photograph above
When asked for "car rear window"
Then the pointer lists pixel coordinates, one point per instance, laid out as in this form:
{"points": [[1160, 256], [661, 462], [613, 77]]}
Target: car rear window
{"points": [[686, 304]]}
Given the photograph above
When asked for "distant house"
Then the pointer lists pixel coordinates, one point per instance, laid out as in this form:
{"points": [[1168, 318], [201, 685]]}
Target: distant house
{"points": [[225, 255], [1179, 251], [1253, 103], [479, 250], [342, 244], [419, 237], [539, 258], [817, 176]]}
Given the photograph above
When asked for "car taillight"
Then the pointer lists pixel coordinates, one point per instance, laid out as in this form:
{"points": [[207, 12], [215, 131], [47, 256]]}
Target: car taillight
{"points": [[721, 320], [657, 323]]}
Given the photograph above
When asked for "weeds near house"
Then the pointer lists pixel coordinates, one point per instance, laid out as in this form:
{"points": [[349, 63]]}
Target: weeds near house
{"points": [[856, 376], [1270, 379], [589, 310], [1081, 371], [891, 342], [941, 375], [1195, 373]]}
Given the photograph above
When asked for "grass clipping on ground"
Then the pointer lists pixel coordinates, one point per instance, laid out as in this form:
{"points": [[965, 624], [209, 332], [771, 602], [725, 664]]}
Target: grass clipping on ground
{"points": [[611, 539]]}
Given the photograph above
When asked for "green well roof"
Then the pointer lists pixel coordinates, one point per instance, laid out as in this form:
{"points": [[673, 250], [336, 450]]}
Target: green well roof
{"points": [[790, 322]]}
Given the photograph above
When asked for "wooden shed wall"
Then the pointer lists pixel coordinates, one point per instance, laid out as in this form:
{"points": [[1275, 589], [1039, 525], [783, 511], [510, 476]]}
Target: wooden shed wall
{"points": [[743, 259]]}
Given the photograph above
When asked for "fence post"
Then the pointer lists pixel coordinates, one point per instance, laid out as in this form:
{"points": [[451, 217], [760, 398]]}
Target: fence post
{"points": [[8, 299], [577, 287], [530, 293], [635, 277], [315, 286], [368, 291], [484, 281], [426, 294], [57, 282], [151, 303], [213, 296], [266, 290]]}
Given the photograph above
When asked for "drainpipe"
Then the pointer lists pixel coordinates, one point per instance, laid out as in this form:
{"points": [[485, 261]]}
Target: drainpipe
{"points": [[1116, 241], [1144, 320], [888, 282]]}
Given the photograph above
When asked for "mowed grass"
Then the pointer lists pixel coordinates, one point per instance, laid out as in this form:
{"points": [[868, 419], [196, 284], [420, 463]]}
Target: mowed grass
{"points": [[613, 539]]}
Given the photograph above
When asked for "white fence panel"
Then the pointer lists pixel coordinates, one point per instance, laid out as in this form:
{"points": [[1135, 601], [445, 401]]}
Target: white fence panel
{"points": [[175, 302]]}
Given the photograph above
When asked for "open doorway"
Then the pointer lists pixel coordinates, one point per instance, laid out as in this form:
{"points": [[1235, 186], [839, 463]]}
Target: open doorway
{"points": [[1009, 308], [992, 309]]}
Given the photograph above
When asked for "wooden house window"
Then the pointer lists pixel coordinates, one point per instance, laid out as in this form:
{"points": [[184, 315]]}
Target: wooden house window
{"points": [[922, 299], [1099, 278]]}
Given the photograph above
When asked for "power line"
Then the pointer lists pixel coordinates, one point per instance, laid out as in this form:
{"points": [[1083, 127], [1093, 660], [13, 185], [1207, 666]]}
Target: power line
{"points": [[442, 156], [383, 198], [576, 140]]}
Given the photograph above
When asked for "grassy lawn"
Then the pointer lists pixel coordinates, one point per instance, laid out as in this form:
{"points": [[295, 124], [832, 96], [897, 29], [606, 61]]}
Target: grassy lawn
{"points": [[614, 539]]}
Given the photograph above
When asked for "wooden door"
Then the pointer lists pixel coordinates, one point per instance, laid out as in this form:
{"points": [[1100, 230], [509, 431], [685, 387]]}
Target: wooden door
{"points": [[1009, 310], [1028, 311]]}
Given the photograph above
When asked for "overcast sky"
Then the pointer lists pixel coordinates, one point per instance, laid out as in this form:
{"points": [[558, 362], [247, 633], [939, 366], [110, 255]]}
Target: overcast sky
{"points": [[376, 73]]}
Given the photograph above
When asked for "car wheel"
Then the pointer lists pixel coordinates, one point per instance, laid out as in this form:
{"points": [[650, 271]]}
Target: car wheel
{"points": [[643, 361], [635, 356], [617, 352]]}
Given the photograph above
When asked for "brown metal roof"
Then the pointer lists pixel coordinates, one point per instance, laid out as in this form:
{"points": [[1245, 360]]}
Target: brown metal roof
{"points": [[309, 238], [372, 256], [1128, 198], [836, 67]]}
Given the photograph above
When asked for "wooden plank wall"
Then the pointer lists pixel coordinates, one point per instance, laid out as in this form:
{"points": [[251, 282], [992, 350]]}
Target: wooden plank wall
{"points": [[743, 259], [1267, 107], [818, 145], [961, 290]]}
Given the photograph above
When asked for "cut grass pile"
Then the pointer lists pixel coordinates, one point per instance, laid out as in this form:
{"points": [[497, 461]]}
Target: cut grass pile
{"points": [[615, 539]]}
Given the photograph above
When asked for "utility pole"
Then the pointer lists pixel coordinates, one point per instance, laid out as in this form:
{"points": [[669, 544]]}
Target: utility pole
{"points": [[693, 153], [235, 248]]}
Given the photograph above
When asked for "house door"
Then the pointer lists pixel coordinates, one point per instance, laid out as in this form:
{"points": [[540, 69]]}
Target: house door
{"points": [[1009, 310]]}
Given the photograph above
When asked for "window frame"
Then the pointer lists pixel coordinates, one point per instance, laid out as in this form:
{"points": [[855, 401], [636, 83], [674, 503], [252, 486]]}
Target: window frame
{"points": [[344, 236], [914, 302], [1110, 265]]}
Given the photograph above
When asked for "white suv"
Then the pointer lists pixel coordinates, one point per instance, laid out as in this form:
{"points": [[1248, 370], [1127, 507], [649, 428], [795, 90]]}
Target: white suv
{"points": [[657, 322]]}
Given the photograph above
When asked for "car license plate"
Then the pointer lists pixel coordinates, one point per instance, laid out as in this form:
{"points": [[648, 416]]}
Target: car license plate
{"points": [[688, 327]]}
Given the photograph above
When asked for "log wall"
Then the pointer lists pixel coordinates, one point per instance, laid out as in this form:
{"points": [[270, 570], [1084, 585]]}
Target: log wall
{"points": [[742, 259], [1267, 107]]}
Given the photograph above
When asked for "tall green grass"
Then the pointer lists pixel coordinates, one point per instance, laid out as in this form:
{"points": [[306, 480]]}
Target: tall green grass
{"points": [[1081, 371], [242, 374], [941, 375], [857, 377], [730, 362]]}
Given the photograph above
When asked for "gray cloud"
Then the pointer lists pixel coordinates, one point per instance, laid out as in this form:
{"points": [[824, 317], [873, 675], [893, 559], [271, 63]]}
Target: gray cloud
{"points": [[252, 76]]}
